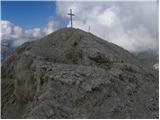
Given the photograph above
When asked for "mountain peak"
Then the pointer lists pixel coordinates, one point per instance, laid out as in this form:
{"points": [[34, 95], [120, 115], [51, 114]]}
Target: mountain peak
{"points": [[71, 73]]}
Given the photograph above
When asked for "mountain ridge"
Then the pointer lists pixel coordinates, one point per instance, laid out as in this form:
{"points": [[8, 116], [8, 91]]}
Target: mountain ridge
{"points": [[74, 74]]}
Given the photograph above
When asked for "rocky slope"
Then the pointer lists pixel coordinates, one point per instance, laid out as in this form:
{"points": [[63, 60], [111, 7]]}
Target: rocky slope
{"points": [[74, 74]]}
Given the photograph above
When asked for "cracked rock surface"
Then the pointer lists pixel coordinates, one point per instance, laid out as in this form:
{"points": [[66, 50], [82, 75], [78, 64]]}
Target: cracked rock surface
{"points": [[74, 74]]}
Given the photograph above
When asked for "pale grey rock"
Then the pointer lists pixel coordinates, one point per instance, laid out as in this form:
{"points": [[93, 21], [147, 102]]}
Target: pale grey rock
{"points": [[74, 74]]}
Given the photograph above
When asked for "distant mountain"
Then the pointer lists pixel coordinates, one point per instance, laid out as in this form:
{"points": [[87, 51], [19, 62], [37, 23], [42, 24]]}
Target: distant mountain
{"points": [[148, 58], [73, 74], [6, 49]]}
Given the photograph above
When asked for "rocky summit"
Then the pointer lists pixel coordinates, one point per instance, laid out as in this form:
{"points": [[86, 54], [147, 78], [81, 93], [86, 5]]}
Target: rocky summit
{"points": [[74, 74]]}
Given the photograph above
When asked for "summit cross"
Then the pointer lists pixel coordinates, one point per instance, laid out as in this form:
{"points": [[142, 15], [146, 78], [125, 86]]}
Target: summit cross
{"points": [[71, 14]]}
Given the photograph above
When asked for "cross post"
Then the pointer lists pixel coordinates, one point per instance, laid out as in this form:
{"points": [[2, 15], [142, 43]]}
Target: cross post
{"points": [[71, 14], [89, 28]]}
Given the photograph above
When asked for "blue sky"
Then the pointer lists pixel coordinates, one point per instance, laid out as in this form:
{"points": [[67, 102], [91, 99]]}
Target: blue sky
{"points": [[28, 14]]}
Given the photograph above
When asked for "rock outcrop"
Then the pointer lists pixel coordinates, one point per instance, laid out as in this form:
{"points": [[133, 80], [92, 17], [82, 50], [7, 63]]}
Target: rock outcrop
{"points": [[74, 74]]}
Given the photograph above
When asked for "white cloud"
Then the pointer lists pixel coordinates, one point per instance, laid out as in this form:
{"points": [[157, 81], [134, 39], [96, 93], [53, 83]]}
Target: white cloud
{"points": [[50, 26], [16, 35], [131, 25], [8, 30], [33, 33], [17, 32]]}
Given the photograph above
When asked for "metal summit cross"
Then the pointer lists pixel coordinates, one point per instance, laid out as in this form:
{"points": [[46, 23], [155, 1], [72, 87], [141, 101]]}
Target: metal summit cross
{"points": [[71, 14]]}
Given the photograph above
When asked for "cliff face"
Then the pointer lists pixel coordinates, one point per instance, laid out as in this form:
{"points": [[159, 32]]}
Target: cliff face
{"points": [[74, 74]]}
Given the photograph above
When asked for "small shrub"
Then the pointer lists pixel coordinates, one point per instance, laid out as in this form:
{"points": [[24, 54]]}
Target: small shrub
{"points": [[102, 61], [71, 55]]}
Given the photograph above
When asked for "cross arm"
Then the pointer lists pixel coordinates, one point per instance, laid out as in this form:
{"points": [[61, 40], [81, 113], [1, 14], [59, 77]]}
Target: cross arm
{"points": [[71, 14]]}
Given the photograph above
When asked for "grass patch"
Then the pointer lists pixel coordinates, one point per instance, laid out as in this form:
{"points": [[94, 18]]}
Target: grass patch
{"points": [[102, 61], [74, 55]]}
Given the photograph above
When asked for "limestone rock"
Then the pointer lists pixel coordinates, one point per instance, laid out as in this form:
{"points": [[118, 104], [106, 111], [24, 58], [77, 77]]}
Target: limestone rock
{"points": [[74, 74]]}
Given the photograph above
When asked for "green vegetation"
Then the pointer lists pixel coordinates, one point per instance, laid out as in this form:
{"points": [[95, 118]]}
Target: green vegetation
{"points": [[102, 61], [74, 55], [129, 69]]}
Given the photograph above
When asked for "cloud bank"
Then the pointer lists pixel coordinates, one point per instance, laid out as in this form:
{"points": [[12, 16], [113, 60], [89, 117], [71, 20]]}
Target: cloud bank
{"points": [[131, 25], [16, 35]]}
